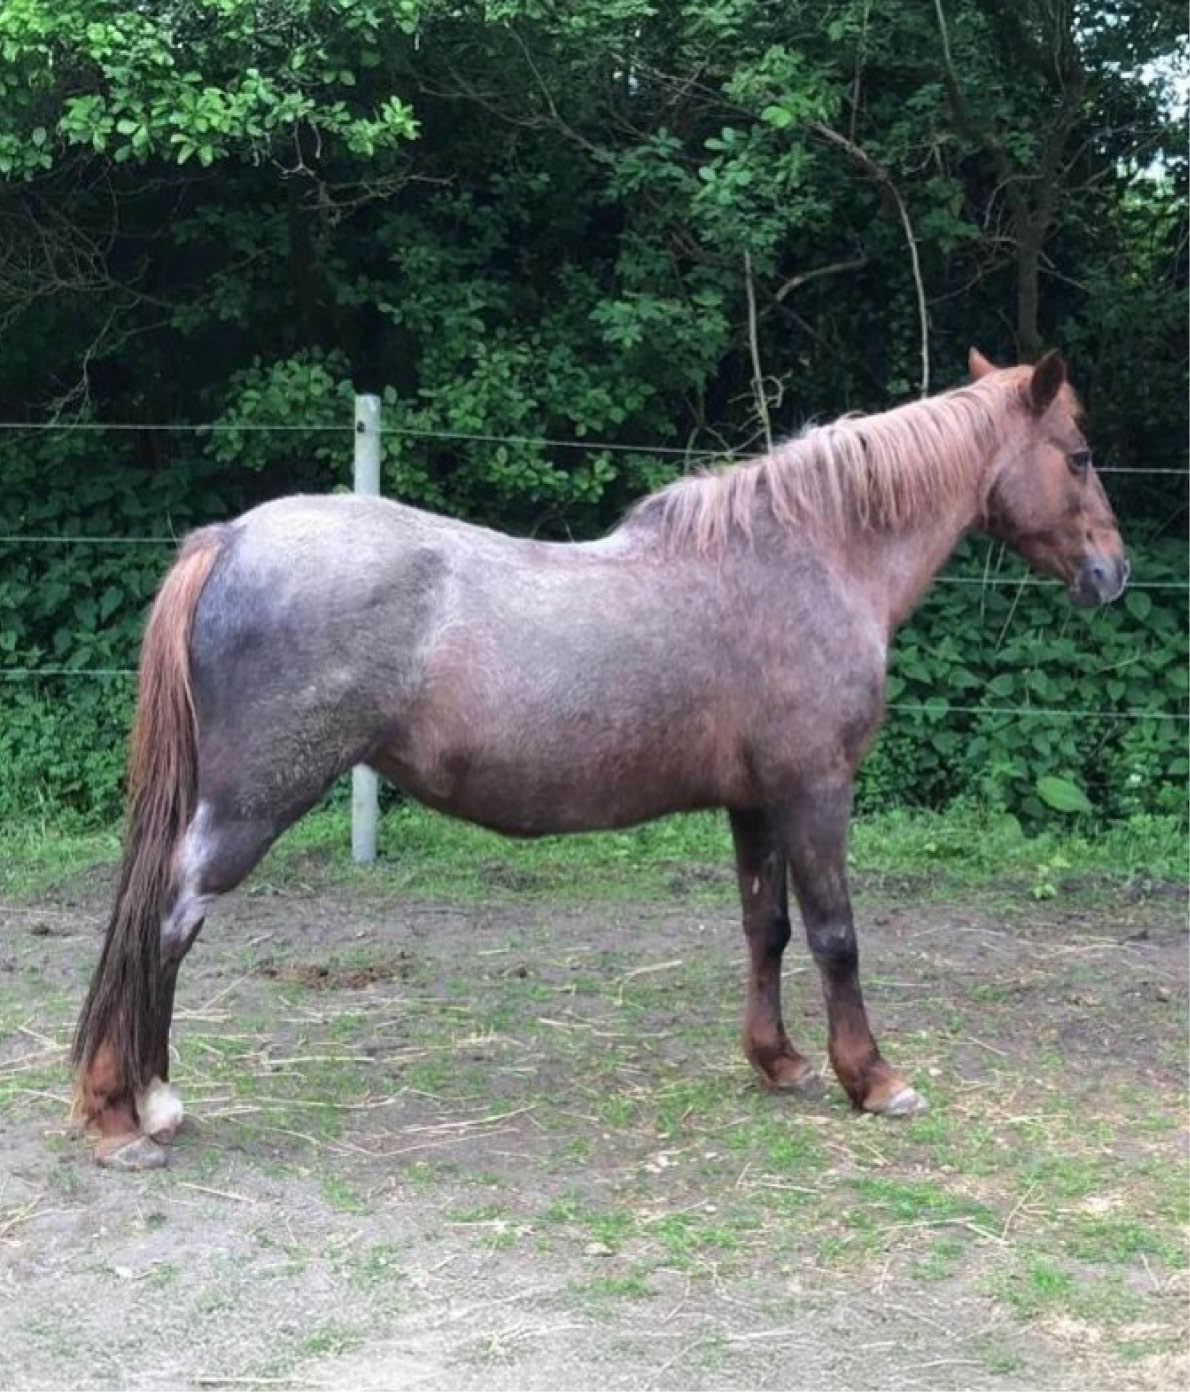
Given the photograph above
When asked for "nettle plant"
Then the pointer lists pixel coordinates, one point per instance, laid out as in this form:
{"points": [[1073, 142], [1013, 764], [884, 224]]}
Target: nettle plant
{"points": [[1090, 675]]}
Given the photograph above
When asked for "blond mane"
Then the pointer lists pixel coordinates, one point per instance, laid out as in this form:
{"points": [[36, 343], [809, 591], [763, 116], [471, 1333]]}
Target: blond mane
{"points": [[879, 472]]}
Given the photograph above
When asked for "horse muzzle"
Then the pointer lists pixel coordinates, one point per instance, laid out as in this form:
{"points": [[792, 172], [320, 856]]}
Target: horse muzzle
{"points": [[1100, 580]]}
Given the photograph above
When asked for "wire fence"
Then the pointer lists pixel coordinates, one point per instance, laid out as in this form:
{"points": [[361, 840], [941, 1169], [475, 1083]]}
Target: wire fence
{"points": [[935, 709], [992, 581], [455, 436]]}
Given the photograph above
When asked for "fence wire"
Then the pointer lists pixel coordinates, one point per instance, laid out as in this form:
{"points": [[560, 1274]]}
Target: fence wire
{"points": [[937, 711], [985, 582], [457, 436], [231, 427]]}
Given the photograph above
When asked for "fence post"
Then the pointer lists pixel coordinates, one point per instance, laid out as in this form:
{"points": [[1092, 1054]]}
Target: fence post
{"points": [[364, 782]]}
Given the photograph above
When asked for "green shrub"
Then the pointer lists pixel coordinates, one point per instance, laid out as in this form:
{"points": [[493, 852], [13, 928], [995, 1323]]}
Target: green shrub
{"points": [[973, 657], [1013, 647]]}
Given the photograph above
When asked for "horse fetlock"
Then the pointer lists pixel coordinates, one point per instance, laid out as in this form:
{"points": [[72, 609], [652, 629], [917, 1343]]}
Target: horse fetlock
{"points": [[793, 1075], [160, 1111], [780, 1066]]}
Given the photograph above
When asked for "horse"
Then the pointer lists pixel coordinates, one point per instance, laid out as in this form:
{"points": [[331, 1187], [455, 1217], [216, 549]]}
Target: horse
{"points": [[724, 646]]}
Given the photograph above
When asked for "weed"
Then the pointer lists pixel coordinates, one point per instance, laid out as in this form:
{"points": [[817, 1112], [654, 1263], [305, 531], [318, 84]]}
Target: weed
{"points": [[340, 1195], [331, 1337], [633, 1286]]}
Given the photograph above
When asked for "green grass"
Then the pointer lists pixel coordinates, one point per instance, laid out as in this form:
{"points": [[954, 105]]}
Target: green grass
{"points": [[331, 1338], [340, 1195], [602, 1289], [645, 1153], [423, 853]]}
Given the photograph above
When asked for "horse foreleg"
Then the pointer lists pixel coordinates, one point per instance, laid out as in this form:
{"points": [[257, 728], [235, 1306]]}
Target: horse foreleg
{"points": [[761, 868], [817, 839]]}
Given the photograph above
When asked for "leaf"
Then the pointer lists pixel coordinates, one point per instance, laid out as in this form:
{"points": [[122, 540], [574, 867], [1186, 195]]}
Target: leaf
{"points": [[109, 601], [1061, 794], [1137, 603], [778, 116]]}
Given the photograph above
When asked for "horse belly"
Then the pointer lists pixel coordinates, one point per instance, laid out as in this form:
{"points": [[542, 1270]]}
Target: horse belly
{"points": [[547, 776]]}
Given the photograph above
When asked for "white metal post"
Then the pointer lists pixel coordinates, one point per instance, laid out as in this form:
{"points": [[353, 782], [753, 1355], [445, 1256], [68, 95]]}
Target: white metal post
{"points": [[364, 782]]}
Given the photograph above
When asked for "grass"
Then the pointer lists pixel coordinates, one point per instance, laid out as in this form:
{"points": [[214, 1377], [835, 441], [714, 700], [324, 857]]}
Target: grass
{"points": [[639, 1162], [423, 853]]}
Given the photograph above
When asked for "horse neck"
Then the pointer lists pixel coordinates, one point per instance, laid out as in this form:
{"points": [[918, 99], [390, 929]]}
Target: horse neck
{"points": [[895, 568], [895, 564]]}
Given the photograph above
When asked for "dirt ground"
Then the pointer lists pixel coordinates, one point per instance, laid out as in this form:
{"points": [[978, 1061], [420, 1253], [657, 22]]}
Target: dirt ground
{"points": [[513, 1144]]}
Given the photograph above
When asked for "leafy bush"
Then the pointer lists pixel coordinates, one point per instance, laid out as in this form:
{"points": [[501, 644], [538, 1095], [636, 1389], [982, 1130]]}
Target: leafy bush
{"points": [[973, 647], [970, 661]]}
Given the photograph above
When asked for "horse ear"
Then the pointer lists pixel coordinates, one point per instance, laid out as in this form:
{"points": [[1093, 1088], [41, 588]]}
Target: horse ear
{"points": [[1048, 376], [979, 365]]}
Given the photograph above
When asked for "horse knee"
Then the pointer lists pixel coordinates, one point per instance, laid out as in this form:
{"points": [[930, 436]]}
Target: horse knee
{"points": [[769, 935], [833, 945]]}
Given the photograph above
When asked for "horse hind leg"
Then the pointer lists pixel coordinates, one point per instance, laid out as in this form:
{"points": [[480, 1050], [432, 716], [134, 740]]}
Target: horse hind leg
{"points": [[158, 1107], [217, 852], [222, 844]]}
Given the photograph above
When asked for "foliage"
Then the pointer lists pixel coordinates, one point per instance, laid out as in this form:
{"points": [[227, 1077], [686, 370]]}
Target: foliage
{"points": [[975, 645], [970, 649], [193, 81], [522, 223]]}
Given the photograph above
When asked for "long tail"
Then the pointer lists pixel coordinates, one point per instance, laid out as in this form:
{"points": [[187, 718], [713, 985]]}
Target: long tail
{"points": [[121, 1031]]}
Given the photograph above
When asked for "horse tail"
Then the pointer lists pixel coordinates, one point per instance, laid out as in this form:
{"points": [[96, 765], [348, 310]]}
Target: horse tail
{"points": [[121, 1034]]}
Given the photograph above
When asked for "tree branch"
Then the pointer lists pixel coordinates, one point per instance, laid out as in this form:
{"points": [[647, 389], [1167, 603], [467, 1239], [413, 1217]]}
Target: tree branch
{"points": [[881, 176], [804, 277], [762, 404]]}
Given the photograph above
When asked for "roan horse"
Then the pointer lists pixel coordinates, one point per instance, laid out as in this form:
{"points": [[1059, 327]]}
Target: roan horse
{"points": [[725, 646]]}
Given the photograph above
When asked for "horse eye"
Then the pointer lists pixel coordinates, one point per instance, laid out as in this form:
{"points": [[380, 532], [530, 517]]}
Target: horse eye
{"points": [[1080, 461]]}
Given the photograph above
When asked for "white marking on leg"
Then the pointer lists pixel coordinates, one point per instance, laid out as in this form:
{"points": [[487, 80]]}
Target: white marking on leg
{"points": [[190, 906], [160, 1110], [159, 1107]]}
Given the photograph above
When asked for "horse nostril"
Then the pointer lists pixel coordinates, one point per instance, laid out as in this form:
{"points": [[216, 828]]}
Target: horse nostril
{"points": [[1097, 571]]}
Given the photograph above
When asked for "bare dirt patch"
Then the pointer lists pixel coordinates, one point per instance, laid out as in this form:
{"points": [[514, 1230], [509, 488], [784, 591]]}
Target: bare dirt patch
{"points": [[510, 1144], [327, 976]]}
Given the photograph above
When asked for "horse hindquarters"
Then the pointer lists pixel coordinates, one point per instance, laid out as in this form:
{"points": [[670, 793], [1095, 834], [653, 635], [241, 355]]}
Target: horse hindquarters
{"points": [[217, 773]]}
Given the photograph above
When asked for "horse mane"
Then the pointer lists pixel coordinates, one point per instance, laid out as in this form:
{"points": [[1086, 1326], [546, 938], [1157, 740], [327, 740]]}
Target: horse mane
{"points": [[876, 473]]}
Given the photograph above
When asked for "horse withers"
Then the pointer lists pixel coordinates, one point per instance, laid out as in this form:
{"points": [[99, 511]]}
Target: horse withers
{"points": [[725, 646]]}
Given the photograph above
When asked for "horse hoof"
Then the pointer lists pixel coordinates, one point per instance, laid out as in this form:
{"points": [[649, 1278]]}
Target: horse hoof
{"points": [[905, 1103], [791, 1075], [139, 1153], [160, 1111], [808, 1082]]}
